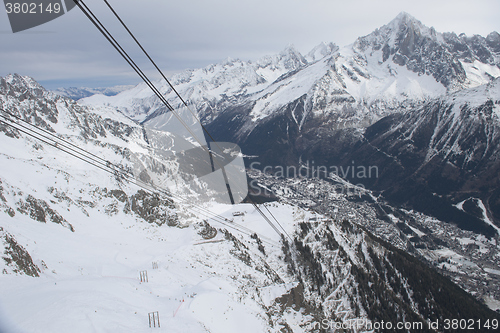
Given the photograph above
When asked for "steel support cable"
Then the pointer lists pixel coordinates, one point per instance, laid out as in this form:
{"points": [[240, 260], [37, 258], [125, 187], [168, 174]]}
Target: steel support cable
{"points": [[266, 219], [90, 15], [34, 135], [65, 143], [75, 149], [104, 165], [199, 209], [159, 70], [74, 153], [102, 29], [178, 94], [129, 60], [124, 54], [171, 86], [276, 220], [100, 26]]}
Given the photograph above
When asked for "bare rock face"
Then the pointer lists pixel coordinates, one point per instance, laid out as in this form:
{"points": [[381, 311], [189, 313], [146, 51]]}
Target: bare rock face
{"points": [[206, 231], [40, 211], [152, 208], [16, 256]]}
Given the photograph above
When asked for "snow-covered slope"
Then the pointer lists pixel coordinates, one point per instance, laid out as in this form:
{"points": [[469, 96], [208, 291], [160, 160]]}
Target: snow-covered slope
{"points": [[76, 240]]}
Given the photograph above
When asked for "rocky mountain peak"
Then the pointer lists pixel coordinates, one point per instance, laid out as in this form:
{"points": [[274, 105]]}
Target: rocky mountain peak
{"points": [[292, 58], [15, 84], [320, 51], [403, 33], [405, 19], [388, 34], [493, 37], [493, 40], [230, 61], [407, 42]]}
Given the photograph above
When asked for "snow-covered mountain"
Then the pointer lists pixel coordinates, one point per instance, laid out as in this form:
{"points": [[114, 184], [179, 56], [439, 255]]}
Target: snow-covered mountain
{"points": [[354, 86], [77, 241], [455, 62]]}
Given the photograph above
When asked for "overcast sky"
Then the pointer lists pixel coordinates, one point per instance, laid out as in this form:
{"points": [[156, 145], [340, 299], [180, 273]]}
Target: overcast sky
{"points": [[69, 51]]}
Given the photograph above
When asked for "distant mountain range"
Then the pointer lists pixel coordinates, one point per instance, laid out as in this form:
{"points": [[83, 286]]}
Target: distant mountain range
{"points": [[82, 92]]}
